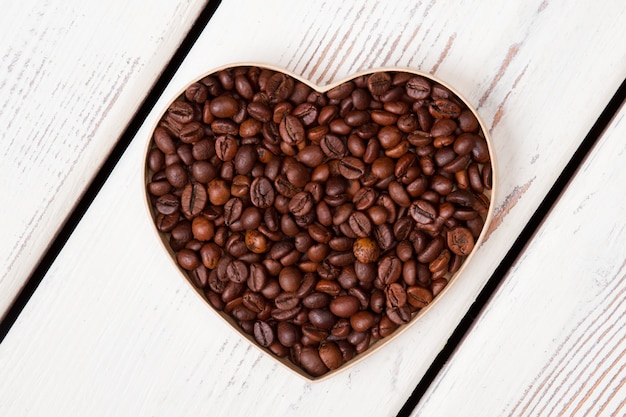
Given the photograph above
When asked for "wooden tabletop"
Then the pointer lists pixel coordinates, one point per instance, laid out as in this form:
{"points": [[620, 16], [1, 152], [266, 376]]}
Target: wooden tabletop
{"points": [[98, 321]]}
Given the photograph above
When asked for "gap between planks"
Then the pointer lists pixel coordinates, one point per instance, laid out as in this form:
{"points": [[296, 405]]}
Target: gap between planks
{"points": [[101, 177], [464, 326]]}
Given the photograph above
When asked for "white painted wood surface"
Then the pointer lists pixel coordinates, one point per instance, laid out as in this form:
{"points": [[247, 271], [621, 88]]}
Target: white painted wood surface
{"points": [[113, 329], [552, 341], [72, 73]]}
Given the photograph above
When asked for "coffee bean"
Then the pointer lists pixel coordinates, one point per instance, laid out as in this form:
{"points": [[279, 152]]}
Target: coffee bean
{"points": [[291, 130], [263, 333], [279, 87], [366, 250], [167, 204], [460, 240], [322, 318], [419, 297], [384, 236], [389, 269], [423, 212], [399, 315], [443, 108], [362, 321], [311, 361], [418, 88], [331, 355], [379, 83], [188, 259], [351, 168], [438, 285], [360, 224], [344, 306], [320, 222], [311, 156], [181, 112], [262, 192], [286, 301], [333, 146], [223, 106], [237, 271]]}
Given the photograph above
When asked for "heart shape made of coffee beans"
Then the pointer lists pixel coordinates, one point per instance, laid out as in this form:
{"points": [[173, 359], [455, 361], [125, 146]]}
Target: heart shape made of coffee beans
{"points": [[319, 222]]}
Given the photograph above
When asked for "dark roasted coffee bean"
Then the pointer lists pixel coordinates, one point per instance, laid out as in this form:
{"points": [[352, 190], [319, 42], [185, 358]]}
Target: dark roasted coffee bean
{"points": [[176, 174], [399, 315], [475, 178], [333, 146], [389, 269], [480, 153], [431, 251], [279, 87], [259, 111], [362, 321], [396, 295], [460, 240], [286, 301], [344, 306], [440, 263], [322, 318], [311, 156], [383, 235], [257, 277], [341, 258], [224, 106], [263, 333], [287, 334], [181, 112], [237, 271], [289, 279], [418, 88], [188, 259], [351, 168], [444, 109], [166, 222], [360, 224], [423, 212], [301, 204], [262, 192], [232, 210], [167, 204], [438, 285], [331, 355], [399, 194], [311, 361], [378, 83], [364, 198], [320, 233], [307, 285], [402, 228], [419, 297], [291, 130]]}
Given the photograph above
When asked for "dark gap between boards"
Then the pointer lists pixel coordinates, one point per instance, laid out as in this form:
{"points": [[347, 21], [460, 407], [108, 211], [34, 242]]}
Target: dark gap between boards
{"points": [[592, 137], [103, 174]]}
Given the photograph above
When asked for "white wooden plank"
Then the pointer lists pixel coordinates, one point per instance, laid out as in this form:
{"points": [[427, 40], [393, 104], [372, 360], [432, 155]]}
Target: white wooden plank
{"points": [[72, 75], [552, 340], [107, 313]]}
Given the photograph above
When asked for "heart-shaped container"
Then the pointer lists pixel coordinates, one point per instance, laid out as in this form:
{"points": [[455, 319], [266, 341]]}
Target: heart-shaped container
{"points": [[288, 364]]}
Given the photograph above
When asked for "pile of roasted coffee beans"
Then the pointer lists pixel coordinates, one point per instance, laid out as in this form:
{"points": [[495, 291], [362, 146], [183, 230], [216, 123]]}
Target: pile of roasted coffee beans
{"points": [[320, 222]]}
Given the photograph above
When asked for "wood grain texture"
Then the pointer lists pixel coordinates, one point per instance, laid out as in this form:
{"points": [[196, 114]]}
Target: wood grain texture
{"points": [[72, 74], [116, 331], [552, 340]]}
